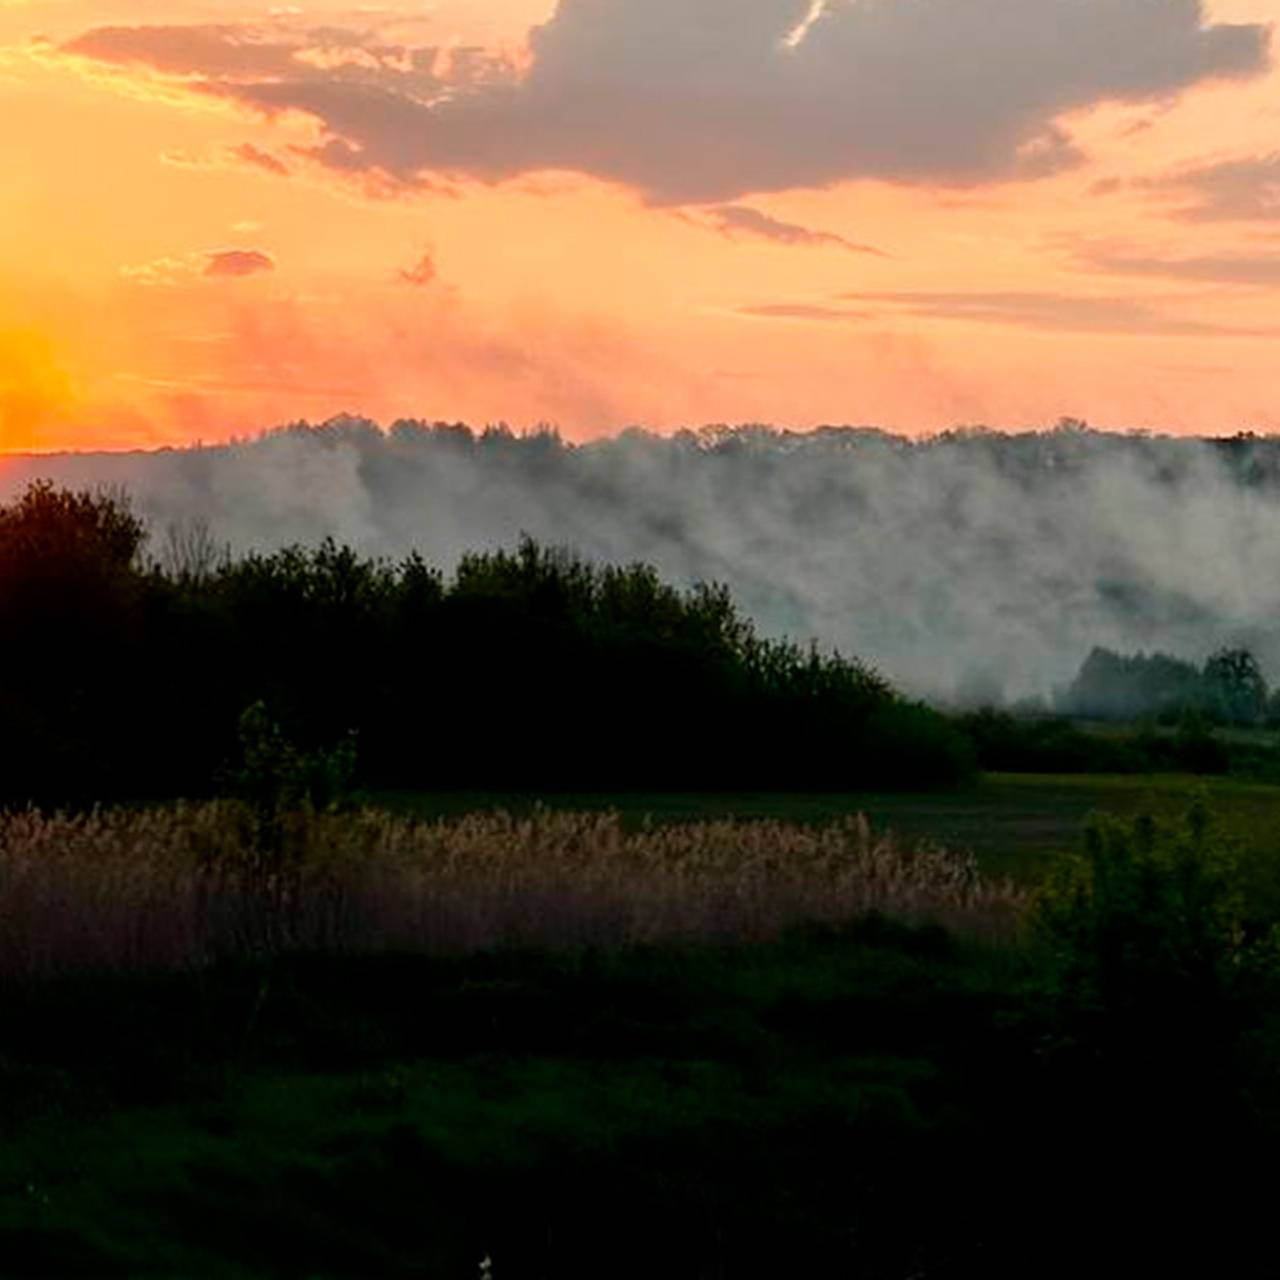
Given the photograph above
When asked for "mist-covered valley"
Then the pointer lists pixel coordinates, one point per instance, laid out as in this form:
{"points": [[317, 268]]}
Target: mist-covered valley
{"points": [[972, 566]]}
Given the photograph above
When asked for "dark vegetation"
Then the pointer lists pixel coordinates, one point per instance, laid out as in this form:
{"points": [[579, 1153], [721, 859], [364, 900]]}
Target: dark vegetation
{"points": [[136, 676], [1228, 689], [128, 679], [862, 1098], [1137, 714], [859, 1097], [1011, 743]]}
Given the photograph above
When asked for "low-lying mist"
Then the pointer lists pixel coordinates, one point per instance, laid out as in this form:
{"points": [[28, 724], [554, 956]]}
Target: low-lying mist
{"points": [[971, 566]]}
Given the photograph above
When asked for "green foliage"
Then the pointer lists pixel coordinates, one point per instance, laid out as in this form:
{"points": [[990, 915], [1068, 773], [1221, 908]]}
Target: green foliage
{"points": [[850, 1101], [55, 531], [1234, 687], [1151, 960], [530, 668], [274, 775], [753, 1107], [1195, 748], [1010, 743]]}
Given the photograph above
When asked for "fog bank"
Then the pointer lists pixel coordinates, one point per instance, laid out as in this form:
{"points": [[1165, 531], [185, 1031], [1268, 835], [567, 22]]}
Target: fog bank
{"points": [[972, 564]]}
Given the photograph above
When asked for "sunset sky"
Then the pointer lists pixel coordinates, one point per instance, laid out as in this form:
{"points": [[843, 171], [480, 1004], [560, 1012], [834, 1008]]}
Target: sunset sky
{"points": [[596, 213]]}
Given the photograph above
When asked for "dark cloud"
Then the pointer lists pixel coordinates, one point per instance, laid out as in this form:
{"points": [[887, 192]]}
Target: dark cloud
{"points": [[237, 262], [703, 101], [237, 59], [741, 219], [1229, 190], [1059, 312]]}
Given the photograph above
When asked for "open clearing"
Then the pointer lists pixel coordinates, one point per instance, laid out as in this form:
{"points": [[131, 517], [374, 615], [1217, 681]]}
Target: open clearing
{"points": [[1012, 822], [1016, 824]]}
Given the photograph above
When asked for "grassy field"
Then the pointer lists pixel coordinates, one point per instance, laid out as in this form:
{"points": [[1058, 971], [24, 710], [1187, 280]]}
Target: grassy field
{"points": [[857, 1098], [664, 1113], [1012, 822], [869, 1101]]}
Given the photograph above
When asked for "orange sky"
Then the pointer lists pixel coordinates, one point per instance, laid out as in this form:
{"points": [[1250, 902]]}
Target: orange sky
{"points": [[555, 244]]}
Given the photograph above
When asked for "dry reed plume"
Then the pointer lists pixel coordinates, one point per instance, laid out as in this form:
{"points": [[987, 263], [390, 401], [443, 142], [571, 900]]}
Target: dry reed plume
{"points": [[187, 886]]}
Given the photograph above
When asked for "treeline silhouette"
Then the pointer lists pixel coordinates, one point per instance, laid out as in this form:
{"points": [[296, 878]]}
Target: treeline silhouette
{"points": [[1228, 689], [131, 677], [968, 562], [1165, 715]]}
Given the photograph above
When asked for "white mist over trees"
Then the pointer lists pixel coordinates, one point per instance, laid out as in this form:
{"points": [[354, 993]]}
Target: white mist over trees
{"points": [[971, 565]]}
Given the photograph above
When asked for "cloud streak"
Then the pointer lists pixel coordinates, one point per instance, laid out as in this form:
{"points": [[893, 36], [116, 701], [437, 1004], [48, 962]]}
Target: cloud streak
{"points": [[208, 264], [801, 311], [1257, 270], [256, 158], [233, 263], [1241, 190], [1056, 312], [737, 219]]}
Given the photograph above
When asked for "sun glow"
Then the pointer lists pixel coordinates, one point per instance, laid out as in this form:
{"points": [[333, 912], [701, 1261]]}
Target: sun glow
{"points": [[182, 257], [34, 388]]}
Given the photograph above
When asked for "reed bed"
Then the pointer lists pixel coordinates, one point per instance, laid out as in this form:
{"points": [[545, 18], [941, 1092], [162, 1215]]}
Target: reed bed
{"points": [[196, 884]]}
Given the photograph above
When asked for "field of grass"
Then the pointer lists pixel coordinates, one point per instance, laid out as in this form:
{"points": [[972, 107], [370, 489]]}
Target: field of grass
{"points": [[721, 1112], [1012, 822], [194, 886], [869, 1101], [708, 1088]]}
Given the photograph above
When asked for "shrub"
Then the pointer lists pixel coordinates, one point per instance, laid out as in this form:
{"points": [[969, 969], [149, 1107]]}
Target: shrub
{"points": [[274, 776], [530, 669], [1151, 963]]}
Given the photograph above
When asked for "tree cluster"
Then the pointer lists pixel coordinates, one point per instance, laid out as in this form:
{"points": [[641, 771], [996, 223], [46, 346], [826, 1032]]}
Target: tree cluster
{"points": [[529, 668], [1228, 689]]}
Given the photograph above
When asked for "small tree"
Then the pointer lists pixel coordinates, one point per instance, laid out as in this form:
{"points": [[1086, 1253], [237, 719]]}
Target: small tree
{"points": [[1154, 963], [275, 776], [1234, 687]]}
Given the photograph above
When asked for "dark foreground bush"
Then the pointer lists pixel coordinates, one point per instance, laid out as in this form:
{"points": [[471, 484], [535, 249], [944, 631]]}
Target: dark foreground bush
{"points": [[1160, 981], [528, 669]]}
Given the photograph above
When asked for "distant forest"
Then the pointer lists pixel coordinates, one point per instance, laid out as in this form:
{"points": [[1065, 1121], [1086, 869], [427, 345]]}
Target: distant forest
{"points": [[1229, 688], [969, 567]]}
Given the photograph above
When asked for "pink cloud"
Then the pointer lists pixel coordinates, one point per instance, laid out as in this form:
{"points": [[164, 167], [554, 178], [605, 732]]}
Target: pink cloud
{"points": [[422, 273], [257, 158], [237, 262]]}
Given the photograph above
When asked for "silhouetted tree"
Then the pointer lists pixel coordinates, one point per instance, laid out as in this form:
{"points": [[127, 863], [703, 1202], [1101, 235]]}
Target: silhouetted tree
{"points": [[530, 668], [1234, 687]]}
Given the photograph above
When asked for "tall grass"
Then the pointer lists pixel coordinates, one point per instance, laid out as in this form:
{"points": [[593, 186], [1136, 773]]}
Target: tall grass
{"points": [[199, 883]]}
